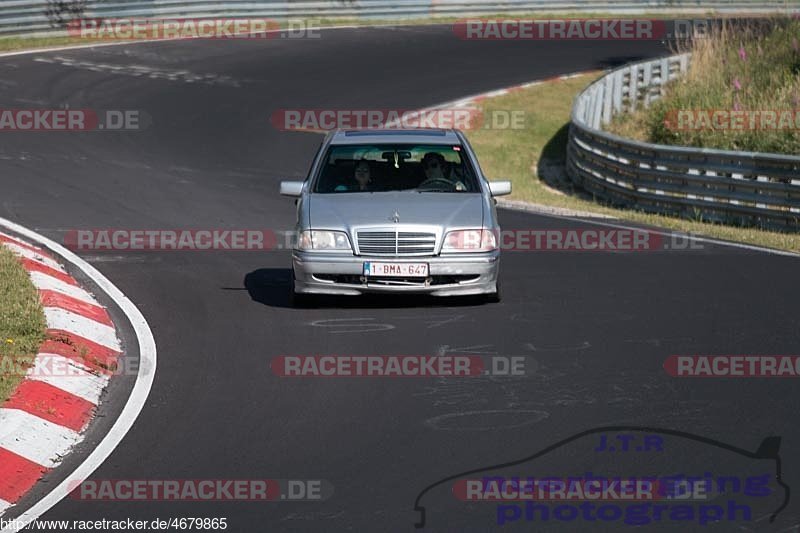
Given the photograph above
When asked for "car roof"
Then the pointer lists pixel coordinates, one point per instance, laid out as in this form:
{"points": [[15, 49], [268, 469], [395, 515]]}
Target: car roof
{"points": [[395, 136]]}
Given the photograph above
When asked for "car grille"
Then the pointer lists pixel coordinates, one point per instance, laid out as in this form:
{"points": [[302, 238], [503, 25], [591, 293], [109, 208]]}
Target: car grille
{"points": [[352, 279], [395, 243]]}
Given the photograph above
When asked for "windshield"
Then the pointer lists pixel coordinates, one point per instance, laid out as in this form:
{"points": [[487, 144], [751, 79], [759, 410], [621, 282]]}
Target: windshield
{"points": [[396, 167]]}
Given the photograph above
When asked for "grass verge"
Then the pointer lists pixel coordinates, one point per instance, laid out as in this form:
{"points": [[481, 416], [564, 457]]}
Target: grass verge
{"points": [[14, 44], [22, 323], [752, 70], [533, 158]]}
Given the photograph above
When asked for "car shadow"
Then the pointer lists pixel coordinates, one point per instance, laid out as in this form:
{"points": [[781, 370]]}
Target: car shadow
{"points": [[551, 167], [272, 286], [620, 61]]}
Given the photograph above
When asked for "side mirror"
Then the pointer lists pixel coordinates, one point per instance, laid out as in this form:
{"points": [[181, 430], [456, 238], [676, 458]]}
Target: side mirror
{"points": [[500, 188], [291, 188]]}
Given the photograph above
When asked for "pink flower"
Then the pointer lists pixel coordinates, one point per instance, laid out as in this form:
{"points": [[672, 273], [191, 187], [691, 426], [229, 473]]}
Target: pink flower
{"points": [[737, 84], [736, 105], [742, 53]]}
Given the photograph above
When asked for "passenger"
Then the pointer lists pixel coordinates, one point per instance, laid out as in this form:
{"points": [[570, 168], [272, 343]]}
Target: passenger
{"points": [[363, 175], [361, 181]]}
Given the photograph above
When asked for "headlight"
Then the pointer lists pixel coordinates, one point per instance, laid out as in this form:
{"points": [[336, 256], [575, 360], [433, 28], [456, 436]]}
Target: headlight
{"points": [[323, 240], [470, 240]]}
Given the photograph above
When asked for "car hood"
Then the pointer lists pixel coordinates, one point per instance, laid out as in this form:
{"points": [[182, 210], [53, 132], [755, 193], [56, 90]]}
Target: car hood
{"points": [[334, 211]]}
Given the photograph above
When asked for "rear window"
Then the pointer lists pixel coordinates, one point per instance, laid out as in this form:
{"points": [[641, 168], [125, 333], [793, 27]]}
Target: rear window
{"points": [[396, 167]]}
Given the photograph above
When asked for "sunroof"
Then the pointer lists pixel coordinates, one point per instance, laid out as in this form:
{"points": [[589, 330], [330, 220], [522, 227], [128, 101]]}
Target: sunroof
{"points": [[393, 133]]}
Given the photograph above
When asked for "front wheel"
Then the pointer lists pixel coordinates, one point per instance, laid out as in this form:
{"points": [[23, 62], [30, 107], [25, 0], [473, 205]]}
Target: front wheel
{"points": [[494, 297], [298, 300]]}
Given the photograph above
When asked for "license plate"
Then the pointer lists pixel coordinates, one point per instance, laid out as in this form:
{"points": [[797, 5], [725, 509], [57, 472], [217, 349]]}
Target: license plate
{"points": [[396, 270]]}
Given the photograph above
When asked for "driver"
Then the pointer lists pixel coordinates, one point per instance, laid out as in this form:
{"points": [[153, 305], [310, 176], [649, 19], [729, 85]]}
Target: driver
{"points": [[436, 168]]}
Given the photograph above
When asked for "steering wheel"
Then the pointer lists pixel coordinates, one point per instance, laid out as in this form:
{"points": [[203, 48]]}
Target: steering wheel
{"points": [[436, 183]]}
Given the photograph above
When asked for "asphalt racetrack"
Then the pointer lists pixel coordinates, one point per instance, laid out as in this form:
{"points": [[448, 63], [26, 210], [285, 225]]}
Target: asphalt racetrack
{"points": [[594, 329]]}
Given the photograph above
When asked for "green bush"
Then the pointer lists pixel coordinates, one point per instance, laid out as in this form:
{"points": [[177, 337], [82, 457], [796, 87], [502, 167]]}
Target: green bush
{"points": [[735, 68]]}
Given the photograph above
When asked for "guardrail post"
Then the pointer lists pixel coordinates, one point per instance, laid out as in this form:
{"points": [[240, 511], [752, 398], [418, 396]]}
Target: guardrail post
{"points": [[597, 117], [607, 90], [664, 76], [617, 103], [646, 82]]}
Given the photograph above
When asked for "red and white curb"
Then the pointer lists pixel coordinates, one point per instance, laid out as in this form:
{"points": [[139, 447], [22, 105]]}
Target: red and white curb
{"points": [[472, 100], [48, 413]]}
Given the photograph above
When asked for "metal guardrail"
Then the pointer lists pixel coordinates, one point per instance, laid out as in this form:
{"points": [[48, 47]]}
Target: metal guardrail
{"points": [[49, 16], [743, 188]]}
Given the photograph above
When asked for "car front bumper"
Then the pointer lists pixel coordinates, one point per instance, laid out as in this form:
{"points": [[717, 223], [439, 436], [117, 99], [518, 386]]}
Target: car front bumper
{"points": [[449, 275]]}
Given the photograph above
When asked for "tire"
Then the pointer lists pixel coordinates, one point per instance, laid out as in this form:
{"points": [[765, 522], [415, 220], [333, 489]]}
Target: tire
{"points": [[298, 300], [494, 297], [301, 301]]}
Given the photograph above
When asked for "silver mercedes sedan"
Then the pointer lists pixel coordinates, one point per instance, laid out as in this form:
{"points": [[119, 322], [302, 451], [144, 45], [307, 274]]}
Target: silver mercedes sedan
{"points": [[395, 211]]}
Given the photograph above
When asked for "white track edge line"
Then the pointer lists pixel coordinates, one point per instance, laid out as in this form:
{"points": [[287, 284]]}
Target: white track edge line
{"points": [[141, 388], [658, 231], [141, 41]]}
